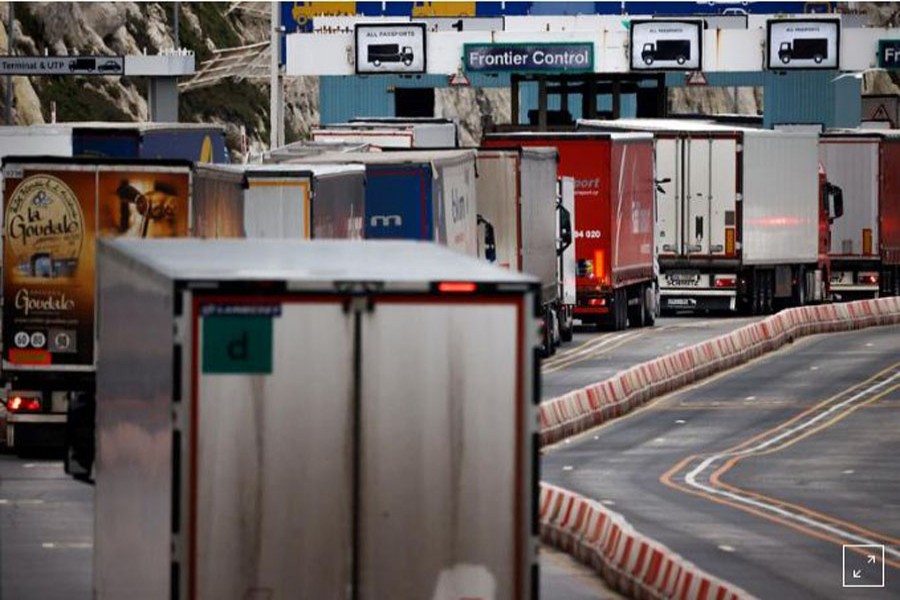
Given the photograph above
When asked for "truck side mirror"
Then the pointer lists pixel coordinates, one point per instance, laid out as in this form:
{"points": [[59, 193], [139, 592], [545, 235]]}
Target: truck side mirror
{"points": [[490, 241], [565, 229], [838, 200]]}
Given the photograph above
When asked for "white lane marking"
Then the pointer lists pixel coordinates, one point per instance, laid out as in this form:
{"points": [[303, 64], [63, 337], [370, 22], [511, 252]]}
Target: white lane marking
{"points": [[814, 368], [726, 548], [608, 502], [568, 468], [48, 545], [848, 472], [750, 398], [659, 440], [46, 465], [585, 349], [869, 345], [681, 421], [596, 437], [691, 478]]}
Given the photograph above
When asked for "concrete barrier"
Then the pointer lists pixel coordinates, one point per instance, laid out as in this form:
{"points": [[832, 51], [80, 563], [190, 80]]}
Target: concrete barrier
{"points": [[629, 562], [583, 409]]}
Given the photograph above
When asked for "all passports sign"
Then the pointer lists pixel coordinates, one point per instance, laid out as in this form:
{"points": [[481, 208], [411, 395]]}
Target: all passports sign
{"points": [[560, 57], [62, 65]]}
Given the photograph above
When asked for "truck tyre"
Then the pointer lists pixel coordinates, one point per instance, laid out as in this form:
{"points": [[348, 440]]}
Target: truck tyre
{"points": [[800, 290], [620, 310], [636, 314], [565, 326], [649, 306], [547, 336]]}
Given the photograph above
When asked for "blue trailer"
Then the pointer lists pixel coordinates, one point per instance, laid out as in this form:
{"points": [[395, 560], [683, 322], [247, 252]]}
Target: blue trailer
{"points": [[423, 195]]}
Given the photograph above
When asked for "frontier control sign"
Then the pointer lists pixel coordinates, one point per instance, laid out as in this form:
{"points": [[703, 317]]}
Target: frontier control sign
{"points": [[534, 58]]}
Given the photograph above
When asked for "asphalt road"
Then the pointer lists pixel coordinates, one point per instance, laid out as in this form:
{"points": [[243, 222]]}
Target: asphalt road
{"points": [[761, 474], [593, 356], [46, 531], [46, 519]]}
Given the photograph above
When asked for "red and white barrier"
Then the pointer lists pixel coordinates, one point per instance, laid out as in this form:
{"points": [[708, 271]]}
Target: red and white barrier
{"points": [[629, 562], [588, 407]]}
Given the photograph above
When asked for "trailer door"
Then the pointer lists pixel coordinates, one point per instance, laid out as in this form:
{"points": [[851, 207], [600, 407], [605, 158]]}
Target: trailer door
{"points": [[271, 416], [668, 167], [430, 394], [697, 206]]}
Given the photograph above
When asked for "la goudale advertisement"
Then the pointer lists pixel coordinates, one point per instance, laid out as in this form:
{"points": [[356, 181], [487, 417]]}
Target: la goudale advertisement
{"points": [[52, 221]]}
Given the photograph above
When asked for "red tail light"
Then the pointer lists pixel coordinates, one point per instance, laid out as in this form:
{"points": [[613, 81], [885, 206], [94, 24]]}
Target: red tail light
{"points": [[20, 404], [725, 282], [596, 302], [456, 287], [868, 278]]}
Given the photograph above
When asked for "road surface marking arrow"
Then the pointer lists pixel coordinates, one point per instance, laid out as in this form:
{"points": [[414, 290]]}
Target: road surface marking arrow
{"points": [[871, 558], [857, 574]]}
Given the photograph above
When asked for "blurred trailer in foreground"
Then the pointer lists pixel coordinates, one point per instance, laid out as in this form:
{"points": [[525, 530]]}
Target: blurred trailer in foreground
{"points": [[865, 242], [282, 380], [613, 228], [743, 215]]}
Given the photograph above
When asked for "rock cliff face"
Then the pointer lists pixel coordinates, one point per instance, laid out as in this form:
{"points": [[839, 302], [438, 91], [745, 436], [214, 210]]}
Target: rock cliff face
{"points": [[61, 28]]}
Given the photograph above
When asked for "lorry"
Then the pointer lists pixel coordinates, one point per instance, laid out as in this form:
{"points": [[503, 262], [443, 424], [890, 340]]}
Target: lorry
{"points": [[392, 133], [314, 419], [865, 242], [389, 53], [815, 49], [613, 227], [54, 211], [666, 50], [743, 215], [178, 141], [417, 195], [279, 201], [517, 194]]}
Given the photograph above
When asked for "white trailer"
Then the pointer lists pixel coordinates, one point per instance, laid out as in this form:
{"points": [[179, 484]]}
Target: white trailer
{"points": [[328, 419], [742, 218], [517, 197], [391, 133], [854, 160], [36, 140]]}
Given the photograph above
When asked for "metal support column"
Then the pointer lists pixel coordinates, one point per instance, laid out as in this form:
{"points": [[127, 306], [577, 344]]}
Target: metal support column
{"points": [[616, 98], [276, 91], [514, 97], [162, 99], [542, 103]]}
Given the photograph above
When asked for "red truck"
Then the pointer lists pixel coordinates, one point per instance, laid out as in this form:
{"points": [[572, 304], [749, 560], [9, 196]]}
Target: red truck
{"points": [[614, 216]]}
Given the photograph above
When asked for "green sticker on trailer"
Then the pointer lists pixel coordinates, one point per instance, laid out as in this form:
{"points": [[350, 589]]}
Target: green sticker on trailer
{"points": [[237, 344]]}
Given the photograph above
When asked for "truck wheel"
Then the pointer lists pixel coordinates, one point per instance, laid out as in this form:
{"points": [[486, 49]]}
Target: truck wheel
{"points": [[565, 326], [620, 310], [649, 306], [547, 336], [800, 290], [636, 314]]}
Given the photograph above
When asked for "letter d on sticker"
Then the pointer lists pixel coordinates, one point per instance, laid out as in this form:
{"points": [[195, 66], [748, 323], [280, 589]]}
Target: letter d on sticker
{"points": [[237, 345]]}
